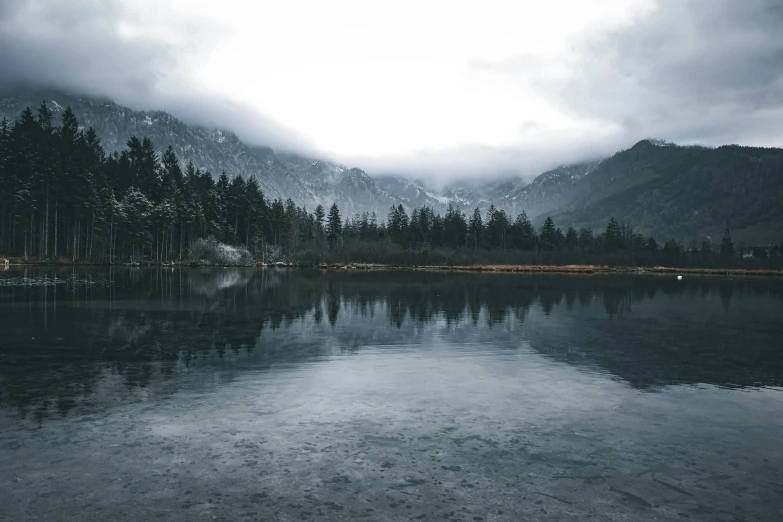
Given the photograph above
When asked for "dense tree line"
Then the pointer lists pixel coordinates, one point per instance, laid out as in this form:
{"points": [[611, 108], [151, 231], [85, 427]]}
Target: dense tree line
{"points": [[62, 196]]}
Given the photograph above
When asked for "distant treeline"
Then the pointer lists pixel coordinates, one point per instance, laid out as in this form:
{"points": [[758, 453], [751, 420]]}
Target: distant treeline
{"points": [[62, 196]]}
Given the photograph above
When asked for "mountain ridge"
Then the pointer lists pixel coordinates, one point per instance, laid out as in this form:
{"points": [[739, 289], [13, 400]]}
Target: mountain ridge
{"points": [[280, 175], [658, 187]]}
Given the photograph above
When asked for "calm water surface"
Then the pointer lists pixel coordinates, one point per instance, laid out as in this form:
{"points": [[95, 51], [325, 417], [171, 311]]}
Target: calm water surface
{"points": [[244, 394]]}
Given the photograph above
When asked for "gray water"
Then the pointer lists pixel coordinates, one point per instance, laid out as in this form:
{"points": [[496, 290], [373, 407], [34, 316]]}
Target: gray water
{"points": [[251, 394]]}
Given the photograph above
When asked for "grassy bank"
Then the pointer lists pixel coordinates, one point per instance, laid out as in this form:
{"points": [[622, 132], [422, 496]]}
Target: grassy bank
{"points": [[529, 269], [565, 269]]}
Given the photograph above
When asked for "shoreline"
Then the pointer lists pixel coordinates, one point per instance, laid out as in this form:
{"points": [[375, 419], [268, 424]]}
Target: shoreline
{"points": [[525, 269], [563, 269]]}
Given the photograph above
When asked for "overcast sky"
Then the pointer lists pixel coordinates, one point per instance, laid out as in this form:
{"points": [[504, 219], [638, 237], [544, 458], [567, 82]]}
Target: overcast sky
{"points": [[436, 89]]}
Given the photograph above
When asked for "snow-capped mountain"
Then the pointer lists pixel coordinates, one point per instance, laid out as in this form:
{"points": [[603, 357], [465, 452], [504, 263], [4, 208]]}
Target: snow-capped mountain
{"points": [[307, 181], [413, 193], [548, 192], [326, 182], [658, 187], [464, 198]]}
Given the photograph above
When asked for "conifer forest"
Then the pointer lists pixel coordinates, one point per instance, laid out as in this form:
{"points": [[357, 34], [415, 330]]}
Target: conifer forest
{"points": [[64, 199]]}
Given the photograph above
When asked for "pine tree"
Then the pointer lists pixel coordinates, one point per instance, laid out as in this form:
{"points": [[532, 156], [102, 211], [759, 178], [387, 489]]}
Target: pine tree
{"points": [[613, 239], [334, 225], [475, 229], [548, 238], [497, 227], [571, 239], [726, 244], [586, 240], [61, 195], [398, 224], [455, 228], [319, 220], [525, 237]]}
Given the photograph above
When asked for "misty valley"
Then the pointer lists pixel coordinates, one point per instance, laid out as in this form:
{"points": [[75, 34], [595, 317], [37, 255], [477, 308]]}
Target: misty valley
{"points": [[100, 183]]}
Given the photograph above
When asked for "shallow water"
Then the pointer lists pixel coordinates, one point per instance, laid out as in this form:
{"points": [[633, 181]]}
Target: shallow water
{"points": [[250, 394]]}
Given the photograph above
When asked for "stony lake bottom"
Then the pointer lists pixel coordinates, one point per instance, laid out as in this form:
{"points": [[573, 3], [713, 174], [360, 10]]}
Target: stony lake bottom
{"points": [[267, 394]]}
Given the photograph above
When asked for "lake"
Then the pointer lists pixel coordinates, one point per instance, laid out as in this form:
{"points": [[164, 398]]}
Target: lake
{"points": [[282, 394]]}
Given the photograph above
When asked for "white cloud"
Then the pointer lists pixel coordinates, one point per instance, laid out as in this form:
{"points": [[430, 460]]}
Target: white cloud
{"points": [[394, 78], [444, 88]]}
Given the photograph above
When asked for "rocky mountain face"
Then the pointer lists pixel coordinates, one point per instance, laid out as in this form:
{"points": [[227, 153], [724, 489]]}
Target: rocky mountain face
{"points": [[352, 189], [464, 198], [414, 194], [659, 188], [546, 194], [307, 181]]}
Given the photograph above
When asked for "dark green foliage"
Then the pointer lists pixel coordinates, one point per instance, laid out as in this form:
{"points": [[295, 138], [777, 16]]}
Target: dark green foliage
{"points": [[548, 238], [613, 238], [571, 239], [334, 226], [398, 224], [525, 237], [726, 244], [455, 228], [61, 196], [498, 228], [319, 217], [475, 229]]}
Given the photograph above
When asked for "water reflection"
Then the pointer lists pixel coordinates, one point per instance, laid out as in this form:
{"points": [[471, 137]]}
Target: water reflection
{"points": [[67, 333]]}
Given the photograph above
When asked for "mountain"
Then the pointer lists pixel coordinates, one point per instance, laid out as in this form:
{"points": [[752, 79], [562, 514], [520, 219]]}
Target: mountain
{"points": [[679, 192], [464, 197], [352, 189], [659, 188], [413, 194], [547, 193], [307, 181]]}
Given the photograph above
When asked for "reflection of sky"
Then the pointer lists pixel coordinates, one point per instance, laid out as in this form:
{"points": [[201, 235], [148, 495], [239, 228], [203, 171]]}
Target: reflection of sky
{"points": [[512, 420], [652, 339], [525, 399]]}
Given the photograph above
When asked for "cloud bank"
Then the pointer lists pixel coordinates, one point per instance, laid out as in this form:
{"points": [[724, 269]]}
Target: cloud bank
{"points": [[687, 71], [139, 57]]}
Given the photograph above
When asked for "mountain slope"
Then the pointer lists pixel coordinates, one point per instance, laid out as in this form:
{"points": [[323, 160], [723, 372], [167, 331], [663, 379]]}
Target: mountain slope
{"points": [[684, 192], [326, 182], [659, 188], [210, 149], [414, 194], [547, 193], [280, 176]]}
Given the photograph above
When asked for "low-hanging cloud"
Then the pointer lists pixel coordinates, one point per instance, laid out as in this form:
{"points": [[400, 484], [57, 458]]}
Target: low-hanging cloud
{"points": [[102, 48], [688, 71], [691, 71]]}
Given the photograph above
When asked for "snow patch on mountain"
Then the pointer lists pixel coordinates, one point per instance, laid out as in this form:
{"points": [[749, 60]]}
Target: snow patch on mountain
{"points": [[307, 181]]}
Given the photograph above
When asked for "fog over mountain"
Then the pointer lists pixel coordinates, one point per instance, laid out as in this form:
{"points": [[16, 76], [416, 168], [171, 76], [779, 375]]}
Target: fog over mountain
{"points": [[123, 51], [510, 90], [657, 187]]}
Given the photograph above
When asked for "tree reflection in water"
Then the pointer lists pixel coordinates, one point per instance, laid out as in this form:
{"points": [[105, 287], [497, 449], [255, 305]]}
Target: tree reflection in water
{"points": [[68, 333]]}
